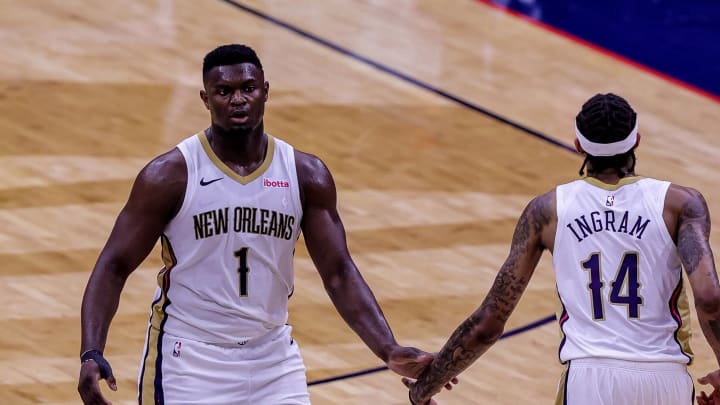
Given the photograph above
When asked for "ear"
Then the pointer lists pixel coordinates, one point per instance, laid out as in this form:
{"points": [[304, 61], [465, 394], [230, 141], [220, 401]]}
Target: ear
{"points": [[267, 90], [204, 98], [579, 148], [637, 143]]}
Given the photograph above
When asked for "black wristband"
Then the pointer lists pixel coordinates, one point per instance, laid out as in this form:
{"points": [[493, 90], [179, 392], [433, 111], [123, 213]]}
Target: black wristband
{"points": [[97, 357]]}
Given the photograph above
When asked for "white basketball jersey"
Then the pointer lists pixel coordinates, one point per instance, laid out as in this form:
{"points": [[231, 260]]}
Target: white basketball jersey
{"points": [[228, 252], [618, 273]]}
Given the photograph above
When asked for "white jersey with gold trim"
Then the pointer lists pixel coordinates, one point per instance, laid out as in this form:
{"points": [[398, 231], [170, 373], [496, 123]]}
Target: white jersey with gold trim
{"points": [[228, 252], [618, 273]]}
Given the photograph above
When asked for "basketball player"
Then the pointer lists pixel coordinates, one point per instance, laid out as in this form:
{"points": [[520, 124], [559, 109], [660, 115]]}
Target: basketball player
{"points": [[228, 205], [618, 242]]}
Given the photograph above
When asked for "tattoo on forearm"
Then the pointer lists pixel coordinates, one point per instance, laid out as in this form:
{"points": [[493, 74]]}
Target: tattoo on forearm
{"points": [[504, 294], [465, 346], [693, 233], [452, 359]]}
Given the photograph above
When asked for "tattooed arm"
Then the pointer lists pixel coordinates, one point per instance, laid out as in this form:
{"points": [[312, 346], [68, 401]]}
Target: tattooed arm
{"points": [[483, 328], [693, 242]]}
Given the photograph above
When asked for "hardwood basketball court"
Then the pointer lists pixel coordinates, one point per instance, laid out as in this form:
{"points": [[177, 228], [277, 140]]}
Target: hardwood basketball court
{"points": [[429, 185]]}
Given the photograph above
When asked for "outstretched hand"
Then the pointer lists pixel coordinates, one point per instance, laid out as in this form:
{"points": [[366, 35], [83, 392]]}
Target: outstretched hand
{"points": [[413, 387], [409, 361], [414, 400], [714, 398], [412, 362]]}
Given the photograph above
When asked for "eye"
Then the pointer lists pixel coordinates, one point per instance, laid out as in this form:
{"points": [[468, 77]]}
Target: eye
{"points": [[249, 89], [223, 91]]}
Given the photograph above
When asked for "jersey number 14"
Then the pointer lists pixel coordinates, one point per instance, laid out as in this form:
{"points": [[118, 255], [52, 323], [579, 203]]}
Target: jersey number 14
{"points": [[625, 286]]}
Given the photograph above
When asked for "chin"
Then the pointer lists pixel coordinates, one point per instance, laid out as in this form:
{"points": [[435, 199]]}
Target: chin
{"points": [[239, 130]]}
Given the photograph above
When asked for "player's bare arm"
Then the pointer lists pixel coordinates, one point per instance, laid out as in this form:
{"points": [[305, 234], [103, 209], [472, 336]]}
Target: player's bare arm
{"points": [[326, 242], [155, 197], [485, 326], [693, 241]]}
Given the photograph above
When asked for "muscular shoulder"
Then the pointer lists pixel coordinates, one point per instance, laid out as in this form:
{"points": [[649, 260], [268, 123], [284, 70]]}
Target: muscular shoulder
{"points": [[168, 163], [316, 182], [684, 206], [544, 202], [538, 221], [541, 210], [680, 198], [165, 171], [161, 183], [310, 168]]}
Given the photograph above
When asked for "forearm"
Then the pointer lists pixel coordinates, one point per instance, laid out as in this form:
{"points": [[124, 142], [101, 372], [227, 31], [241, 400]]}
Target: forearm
{"points": [[469, 341], [357, 305], [479, 331], [100, 303], [710, 325]]}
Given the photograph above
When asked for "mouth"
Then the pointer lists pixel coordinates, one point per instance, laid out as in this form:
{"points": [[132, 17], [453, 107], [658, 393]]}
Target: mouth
{"points": [[239, 116]]}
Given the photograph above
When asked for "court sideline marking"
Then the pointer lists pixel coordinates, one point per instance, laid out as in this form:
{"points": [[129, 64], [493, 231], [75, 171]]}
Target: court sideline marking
{"points": [[513, 332], [442, 93], [396, 73]]}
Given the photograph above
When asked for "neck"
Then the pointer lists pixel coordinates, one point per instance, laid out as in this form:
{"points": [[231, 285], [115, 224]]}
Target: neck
{"points": [[611, 176], [243, 147], [611, 169]]}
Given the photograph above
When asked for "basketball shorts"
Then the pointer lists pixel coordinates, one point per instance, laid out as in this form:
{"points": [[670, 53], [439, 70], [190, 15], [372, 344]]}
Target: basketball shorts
{"points": [[265, 371], [619, 382]]}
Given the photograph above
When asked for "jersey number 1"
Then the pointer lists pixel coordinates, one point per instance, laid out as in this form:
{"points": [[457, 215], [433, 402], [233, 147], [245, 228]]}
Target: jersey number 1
{"points": [[626, 279], [243, 270]]}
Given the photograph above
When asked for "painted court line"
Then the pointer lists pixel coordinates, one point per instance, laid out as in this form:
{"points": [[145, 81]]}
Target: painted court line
{"points": [[397, 74], [505, 335]]}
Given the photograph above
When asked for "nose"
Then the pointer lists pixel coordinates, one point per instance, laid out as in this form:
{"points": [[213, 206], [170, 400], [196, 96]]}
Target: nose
{"points": [[237, 98]]}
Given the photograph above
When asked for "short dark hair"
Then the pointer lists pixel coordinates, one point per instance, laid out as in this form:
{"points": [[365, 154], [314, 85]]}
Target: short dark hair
{"points": [[231, 54], [607, 118]]}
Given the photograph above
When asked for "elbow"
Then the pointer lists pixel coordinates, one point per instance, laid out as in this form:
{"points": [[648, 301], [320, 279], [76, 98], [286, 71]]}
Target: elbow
{"points": [[708, 302], [335, 282], [338, 275], [487, 331]]}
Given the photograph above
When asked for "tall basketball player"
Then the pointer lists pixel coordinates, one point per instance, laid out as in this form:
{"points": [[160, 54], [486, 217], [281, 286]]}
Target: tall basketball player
{"points": [[228, 205], [619, 242]]}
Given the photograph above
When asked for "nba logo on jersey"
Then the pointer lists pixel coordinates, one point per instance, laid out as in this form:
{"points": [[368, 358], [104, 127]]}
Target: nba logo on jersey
{"points": [[610, 200], [176, 349]]}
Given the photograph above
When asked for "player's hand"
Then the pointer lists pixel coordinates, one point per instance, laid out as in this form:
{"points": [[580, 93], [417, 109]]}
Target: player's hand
{"points": [[415, 398], [409, 361], [448, 386], [89, 387], [714, 398]]}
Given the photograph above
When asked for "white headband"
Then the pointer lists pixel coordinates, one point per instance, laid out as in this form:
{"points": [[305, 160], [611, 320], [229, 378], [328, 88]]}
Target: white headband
{"points": [[607, 149]]}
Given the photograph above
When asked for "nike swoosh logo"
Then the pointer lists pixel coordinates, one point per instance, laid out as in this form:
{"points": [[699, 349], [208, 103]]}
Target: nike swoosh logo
{"points": [[205, 183]]}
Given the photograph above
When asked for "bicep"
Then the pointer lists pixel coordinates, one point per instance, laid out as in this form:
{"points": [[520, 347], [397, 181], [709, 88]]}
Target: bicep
{"points": [[322, 227], [152, 203], [133, 236], [528, 242], [694, 246], [324, 234]]}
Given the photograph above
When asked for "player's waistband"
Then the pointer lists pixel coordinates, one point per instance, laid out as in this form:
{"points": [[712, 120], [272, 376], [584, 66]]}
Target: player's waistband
{"points": [[649, 366], [269, 336]]}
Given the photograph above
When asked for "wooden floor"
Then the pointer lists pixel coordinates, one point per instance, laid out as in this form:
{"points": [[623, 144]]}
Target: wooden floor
{"points": [[429, 190]]}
